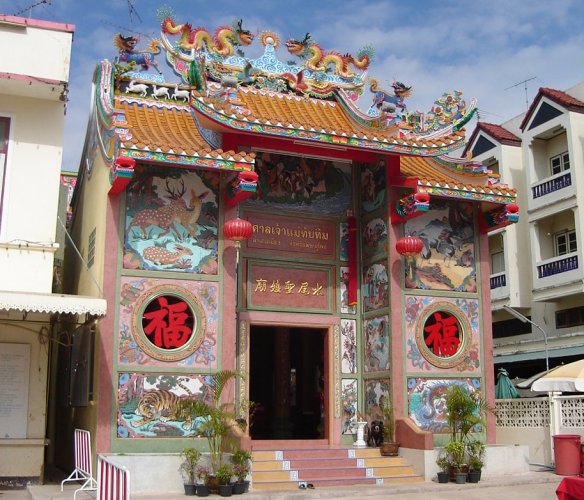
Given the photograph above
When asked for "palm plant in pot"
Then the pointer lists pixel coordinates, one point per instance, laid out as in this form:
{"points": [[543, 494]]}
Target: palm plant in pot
{"points": [[190, 458], [389, 447], [241, 460], [218, 417]]}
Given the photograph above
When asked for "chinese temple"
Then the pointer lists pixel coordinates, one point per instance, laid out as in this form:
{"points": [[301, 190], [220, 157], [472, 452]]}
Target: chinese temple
{"points": [[287, 217]]}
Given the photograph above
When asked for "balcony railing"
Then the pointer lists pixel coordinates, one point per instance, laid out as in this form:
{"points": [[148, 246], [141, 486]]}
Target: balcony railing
{"points": [[557, 266], [498, 280], [552, 185]]}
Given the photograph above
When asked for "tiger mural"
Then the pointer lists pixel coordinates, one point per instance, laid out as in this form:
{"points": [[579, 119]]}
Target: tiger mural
{"points": [[161, 404]]}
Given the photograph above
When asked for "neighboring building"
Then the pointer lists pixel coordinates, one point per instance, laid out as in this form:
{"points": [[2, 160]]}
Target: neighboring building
{"points": [[34, 71], [537, 265], [317, 308]]}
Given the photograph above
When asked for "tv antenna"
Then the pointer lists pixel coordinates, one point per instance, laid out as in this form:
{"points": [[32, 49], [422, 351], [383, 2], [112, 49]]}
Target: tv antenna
{"points": [[524, 82], [133, 13], [30, 7]]}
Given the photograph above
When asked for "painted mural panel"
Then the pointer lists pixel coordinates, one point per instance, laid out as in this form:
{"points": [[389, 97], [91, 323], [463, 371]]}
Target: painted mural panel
{"points": [[344, 241], [426, 401], [349, 398], [374, 239], [348, 346], [418, 310], [146, 404], [171, 221], [203, 297], [376, 348], [373, 186], [447, 261], [344, 292], [299, 183], [376, 391], [375, 288]]}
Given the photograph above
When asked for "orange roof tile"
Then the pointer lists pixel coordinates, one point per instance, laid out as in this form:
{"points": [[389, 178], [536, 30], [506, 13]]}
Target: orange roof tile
{"points": [[431, 173], [169, 129], [264, 111]]}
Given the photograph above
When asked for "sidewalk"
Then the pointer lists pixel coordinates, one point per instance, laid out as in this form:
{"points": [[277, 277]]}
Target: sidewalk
{"points": [[534, 485]]}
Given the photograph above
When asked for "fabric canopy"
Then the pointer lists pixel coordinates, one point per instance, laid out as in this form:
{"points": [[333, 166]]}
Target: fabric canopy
{"points": [[566, 378], [50, 303], [504, 389]]}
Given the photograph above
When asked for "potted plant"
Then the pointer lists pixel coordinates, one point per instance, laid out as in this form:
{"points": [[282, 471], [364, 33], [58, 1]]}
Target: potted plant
{"points": [[190, 457], [224, 474], [202, 474], [464, 411], [217, 416], [476, 459], [241, 460], [456, 451], [389, 447], [443, 464]]}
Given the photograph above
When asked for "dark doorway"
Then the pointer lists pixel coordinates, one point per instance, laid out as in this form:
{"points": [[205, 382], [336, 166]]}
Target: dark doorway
{"points": [[287, 382]]}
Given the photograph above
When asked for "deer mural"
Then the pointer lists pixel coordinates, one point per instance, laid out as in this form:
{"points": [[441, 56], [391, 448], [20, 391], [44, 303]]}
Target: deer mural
{"points": [[160, 255], [168, 216]]}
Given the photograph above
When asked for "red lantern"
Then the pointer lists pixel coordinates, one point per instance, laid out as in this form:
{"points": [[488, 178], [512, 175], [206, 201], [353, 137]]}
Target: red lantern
{"points": [[237, 230], [512, 208], [409, 246]]}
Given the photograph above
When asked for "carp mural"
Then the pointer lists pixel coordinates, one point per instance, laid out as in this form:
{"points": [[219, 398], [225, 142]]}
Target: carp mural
{"points": [[171, 221]]}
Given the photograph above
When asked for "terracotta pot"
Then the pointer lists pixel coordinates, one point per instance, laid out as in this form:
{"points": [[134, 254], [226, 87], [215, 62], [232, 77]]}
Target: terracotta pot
{"points": [[390, 449]]}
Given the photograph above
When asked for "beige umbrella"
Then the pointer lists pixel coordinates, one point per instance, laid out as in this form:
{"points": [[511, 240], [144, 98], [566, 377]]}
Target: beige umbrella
{"points": [[566, 378]]}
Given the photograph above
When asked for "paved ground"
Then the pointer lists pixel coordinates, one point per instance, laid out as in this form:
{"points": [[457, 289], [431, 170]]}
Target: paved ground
{"points": [[535, 485]]}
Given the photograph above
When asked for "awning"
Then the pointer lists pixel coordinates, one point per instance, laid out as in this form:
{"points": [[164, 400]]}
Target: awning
{"points": [[52, 303], [539, 354]]}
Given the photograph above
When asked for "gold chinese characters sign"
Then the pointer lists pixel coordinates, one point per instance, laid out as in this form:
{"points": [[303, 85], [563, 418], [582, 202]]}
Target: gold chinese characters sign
{"points": [[275, 287], [291, 236]]}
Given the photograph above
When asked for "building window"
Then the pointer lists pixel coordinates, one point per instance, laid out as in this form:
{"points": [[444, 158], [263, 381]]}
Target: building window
{"points": [[497, 262], [560, 163], [4, 131], [567, 318], [510, 328], [91, 249], [565, 242]]}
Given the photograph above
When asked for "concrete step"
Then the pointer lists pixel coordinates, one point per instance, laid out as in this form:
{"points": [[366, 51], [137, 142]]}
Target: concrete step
{"points": [[323, 466]]}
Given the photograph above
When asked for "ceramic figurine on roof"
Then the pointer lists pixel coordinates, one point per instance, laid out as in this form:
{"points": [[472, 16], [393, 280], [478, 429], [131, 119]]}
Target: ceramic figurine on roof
{"points": [[128, 52]]}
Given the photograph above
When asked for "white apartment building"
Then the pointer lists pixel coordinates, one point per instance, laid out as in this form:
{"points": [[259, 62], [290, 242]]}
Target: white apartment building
{"points": [[537, 265], [34, 74]]}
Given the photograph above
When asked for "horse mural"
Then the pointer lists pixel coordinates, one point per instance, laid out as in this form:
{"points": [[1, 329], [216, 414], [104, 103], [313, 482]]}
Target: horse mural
{"points": [[128, 53]]}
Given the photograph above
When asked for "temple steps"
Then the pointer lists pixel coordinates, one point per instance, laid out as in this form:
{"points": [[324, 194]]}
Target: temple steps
{"points": [[321, 467]]}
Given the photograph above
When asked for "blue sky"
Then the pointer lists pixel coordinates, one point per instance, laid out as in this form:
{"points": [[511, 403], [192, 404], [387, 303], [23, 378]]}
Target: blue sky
{"points": [[485, 49]]}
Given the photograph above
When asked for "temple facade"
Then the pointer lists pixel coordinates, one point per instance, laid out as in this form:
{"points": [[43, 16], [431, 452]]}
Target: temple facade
{"points": [[249, 215]]}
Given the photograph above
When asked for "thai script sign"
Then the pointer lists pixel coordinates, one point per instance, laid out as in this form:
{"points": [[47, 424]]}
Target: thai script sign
{"points": [[291, 235]]}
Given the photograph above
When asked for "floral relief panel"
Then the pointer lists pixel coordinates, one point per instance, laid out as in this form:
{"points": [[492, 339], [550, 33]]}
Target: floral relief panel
{"points": [[171, 221], [426, 401], [420, 337], [147, 404], [349, 398], [447, 260], [154, 326], [348, 346], [376, 348]]}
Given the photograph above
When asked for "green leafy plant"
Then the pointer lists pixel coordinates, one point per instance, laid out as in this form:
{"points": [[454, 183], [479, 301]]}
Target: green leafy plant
{"points": [[443, 461], [455, 451], [217, 416], [224, 474], [476, 451], [241, 460], [202, 474], [388, 421], [190, 457]]}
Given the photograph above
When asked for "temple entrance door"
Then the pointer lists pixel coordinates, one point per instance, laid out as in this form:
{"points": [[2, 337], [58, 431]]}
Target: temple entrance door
{"points": [[287, 381]]}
